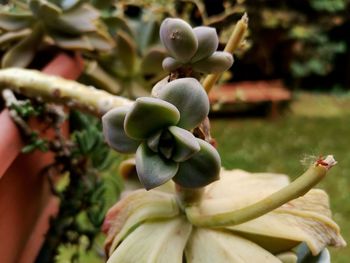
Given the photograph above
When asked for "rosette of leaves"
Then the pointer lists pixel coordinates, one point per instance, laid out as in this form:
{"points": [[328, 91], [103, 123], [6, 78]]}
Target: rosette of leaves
{"points": [[158, 129], [26, 26], [135, 64], [154, 228], [193, 49]]}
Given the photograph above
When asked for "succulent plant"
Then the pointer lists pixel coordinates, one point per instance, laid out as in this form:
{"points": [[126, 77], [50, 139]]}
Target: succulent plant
{"points": [[28, 25], [158, 130], [194, 49], [154, 228]]}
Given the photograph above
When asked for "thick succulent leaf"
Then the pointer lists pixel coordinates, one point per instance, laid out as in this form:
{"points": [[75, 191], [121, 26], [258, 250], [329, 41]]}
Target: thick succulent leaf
{"points": [[179, 39], [287, 257], [100, 78], [185, 144], [113, 129], [116, 23], [78, 20], [158, 241], [207, 246], [189, 97], [305, 219], [72, 43], [45, 10], [201, 169], [15, 21], [134, 209], [153, 141], [305, 256], [208, 42], [216, 63], [23, 52], [152, 169], [9, 37], [159, 85], [152, 61], [149, 115], [170, 64], [100, 41], [146, 31], [126, 51]]}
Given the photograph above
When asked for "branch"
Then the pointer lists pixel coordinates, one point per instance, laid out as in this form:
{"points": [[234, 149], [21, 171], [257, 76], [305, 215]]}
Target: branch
{"points": [[42, 87]]}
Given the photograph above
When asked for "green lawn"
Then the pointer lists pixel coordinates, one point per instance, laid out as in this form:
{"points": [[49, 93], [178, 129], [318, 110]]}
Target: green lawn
{"points": [[316, 125]]}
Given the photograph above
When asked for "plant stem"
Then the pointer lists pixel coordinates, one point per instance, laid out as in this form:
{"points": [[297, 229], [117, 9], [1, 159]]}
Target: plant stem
{"points": [[297, 188], [42, 87], [233, 43], [187, 197]]}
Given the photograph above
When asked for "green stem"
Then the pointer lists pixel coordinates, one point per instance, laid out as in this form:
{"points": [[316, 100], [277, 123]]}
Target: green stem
{"points": [[297, 188], [42, 87], [233, 43]]}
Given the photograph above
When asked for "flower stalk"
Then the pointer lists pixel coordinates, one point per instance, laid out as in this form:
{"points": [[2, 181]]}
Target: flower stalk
{"points": [[41, 87], [233, 43], [297, 188]]}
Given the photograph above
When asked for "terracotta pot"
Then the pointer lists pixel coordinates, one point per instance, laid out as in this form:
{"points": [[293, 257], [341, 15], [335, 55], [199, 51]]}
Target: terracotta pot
{"points": [[26, 202]]}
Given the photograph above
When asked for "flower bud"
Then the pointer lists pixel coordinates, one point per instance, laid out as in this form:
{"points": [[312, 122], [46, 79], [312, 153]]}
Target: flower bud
{"points": [[179, 39]]}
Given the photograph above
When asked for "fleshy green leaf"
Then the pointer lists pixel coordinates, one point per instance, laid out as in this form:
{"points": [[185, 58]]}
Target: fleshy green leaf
{"points": [[152, 61], [208, 42], [216, 63], [113, 129], [126, 51], [78, 20], [23, 52], [153, 141], [179, 39], [100, 41], [190, 99], [185, 144], [68, 42], [149, 115], [159, 85], [200, 170], [15, 21], [170, 64], [9, 37], [152, 169]]}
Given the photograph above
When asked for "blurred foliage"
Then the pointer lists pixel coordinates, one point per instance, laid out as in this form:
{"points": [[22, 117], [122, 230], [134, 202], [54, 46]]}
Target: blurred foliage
{"points": [[87, 181], [298, 41]]}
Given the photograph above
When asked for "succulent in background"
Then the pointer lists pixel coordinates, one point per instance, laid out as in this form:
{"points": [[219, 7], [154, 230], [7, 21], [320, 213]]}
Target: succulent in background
{"points": [[158, 130], [135, 63], [70, 25], [194, 49]]}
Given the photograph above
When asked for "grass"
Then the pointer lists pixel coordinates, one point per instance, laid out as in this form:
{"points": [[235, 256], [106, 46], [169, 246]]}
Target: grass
{"points": [[317, 125]]}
